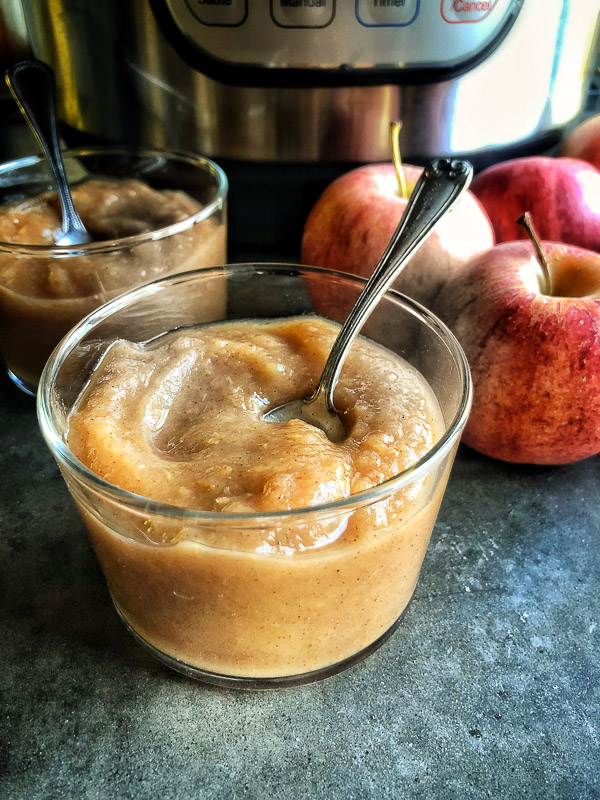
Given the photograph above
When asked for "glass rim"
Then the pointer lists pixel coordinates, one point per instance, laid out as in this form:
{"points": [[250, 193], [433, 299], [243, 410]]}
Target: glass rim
{"points": [[146, 505], [125, 242]]}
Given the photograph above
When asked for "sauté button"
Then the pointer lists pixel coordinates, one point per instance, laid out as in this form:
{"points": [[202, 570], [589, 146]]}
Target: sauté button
{"points": [[219, 12]]}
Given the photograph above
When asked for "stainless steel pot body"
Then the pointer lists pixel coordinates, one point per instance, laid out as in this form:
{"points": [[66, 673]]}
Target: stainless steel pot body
{"points": [[122, 79]]}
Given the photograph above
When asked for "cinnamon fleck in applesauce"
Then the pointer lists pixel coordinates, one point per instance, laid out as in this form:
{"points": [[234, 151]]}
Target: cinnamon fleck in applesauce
{"points": [[178, 420], [42, 297]]}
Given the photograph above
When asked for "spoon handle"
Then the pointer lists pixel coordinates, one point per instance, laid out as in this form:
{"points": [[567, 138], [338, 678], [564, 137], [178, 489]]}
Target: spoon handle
{"points": [[438, 188], [32, 85]]}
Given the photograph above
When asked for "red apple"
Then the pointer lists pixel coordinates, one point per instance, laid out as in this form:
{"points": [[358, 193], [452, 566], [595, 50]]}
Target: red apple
{"points": [[352, 222], [534, 356], [584, 142], [562, 195]]}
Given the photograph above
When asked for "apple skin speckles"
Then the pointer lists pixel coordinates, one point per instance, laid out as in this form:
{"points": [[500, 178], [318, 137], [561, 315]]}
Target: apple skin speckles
{"points": [[352, 222], [534, 358], [561, 194]]}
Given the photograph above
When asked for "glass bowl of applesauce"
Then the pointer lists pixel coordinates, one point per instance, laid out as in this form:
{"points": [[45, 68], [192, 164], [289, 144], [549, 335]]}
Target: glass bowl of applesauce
{"points": [[242, 552], [150, 212]]}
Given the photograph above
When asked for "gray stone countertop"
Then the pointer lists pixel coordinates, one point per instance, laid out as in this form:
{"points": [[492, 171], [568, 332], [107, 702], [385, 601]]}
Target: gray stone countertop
{"points": [[489, 687]]}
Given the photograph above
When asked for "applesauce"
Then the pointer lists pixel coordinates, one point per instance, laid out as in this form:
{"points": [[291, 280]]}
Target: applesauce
{"points": [[178, 420], [140, 233]]}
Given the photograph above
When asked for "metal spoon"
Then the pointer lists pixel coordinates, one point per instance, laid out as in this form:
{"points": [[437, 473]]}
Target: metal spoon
{"points": [[439, 187], [32, 85]]}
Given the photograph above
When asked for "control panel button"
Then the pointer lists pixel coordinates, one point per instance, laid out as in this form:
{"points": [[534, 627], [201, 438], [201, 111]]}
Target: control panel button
{"points": [[467, 10], [219, 12], [302, 13], [384, 13]]}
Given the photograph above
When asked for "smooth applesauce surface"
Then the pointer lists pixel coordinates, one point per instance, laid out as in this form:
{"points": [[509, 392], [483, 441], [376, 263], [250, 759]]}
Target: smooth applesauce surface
{"points": [[178, 420]]}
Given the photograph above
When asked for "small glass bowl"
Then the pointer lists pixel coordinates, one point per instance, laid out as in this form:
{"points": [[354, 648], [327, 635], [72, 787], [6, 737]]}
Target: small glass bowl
{"points": [[45, 290], [186, 583]]}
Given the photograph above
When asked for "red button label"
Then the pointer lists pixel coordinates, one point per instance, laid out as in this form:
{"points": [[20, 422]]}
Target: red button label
{"points": [[454, 11]]}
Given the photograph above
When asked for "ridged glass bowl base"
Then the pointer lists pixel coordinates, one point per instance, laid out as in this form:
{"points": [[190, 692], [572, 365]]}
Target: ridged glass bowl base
{"points": [[236, 682]]}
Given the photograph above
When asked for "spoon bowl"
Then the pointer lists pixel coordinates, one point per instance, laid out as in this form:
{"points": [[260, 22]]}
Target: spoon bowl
{"points": [[440, 185], [32, 85]]}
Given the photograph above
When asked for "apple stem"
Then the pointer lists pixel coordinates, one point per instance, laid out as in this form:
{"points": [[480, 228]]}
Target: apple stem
{"points": [[395, 129], [525, 222]]}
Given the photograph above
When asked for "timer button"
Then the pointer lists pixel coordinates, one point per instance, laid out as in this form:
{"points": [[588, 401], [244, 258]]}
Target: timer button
{"points": [[302, 13], [225, 13], [384, 13]]}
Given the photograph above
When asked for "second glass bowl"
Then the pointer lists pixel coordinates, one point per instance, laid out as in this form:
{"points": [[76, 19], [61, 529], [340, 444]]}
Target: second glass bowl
{"points": [[45, 290]]}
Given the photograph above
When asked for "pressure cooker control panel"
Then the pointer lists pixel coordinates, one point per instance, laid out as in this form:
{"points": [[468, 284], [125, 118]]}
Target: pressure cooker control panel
{"points": [[339, 35]]}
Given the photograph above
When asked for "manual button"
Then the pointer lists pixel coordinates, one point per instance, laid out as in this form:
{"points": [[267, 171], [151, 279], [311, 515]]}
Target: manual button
{"points": [[219, 12], [382, 13], [302, 13]]}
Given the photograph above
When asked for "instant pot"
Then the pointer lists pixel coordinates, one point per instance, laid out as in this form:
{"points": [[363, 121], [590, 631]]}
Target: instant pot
{"points": [[305, 89]]}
